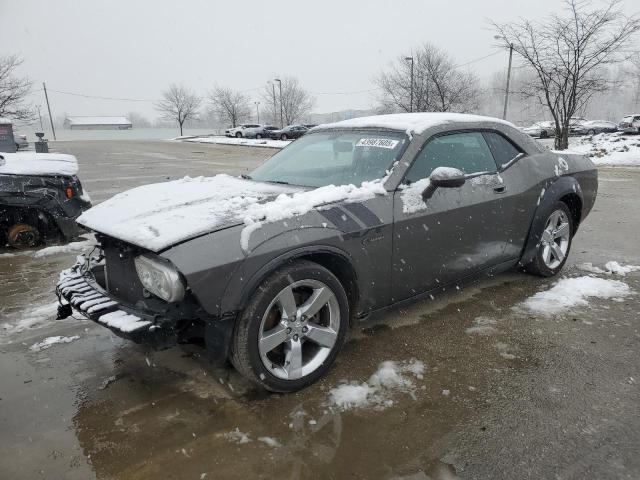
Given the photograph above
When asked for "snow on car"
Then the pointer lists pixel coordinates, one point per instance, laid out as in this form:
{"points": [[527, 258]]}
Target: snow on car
{"points": [[270, 270]]}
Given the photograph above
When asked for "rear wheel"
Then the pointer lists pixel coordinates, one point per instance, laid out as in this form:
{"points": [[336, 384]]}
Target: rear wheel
{"points": [[544, 134], [258, 135], [23, 235], [591, 132], [283, 136], [555, 242], [238, 135], [292, 329]]}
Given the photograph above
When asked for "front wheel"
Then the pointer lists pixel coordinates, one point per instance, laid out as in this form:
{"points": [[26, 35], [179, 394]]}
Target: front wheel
{"points": [[283, 136], [591, 132], [238, 135], [258, 136], [544, 134], [555, 242], [292, 329]]}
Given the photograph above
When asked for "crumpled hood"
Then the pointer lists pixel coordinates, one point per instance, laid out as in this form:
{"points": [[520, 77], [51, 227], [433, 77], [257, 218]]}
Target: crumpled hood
{"points": [[159, 215]]}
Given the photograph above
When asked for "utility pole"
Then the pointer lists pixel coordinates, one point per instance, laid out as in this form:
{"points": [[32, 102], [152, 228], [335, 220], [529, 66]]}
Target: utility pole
{"points": [[506, 93], [49, 108], [410, 59], [273, 88], [280, 87], [40, 117], [257, 104]]}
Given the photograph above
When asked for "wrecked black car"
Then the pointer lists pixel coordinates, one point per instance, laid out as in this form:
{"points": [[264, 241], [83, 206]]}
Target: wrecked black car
{"points": [[40, 198]]}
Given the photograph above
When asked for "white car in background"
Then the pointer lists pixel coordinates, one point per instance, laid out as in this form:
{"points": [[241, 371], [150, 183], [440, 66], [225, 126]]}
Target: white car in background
{"points": [[238, 131], [630, 124], [541, 130]]}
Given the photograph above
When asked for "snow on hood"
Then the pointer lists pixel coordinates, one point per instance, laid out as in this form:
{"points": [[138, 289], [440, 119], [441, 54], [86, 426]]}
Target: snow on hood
{"points": [[159, 215], [411, 123], [29, 163]]}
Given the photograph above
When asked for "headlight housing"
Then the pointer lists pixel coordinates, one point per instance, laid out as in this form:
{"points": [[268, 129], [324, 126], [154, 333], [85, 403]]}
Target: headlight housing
{"points": [[159, 277]]}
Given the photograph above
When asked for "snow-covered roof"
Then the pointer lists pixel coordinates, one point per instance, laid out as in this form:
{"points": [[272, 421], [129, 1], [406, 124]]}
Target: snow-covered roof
{"points": [[5, 120], [30, 163], [412, 123], [81, 120]]}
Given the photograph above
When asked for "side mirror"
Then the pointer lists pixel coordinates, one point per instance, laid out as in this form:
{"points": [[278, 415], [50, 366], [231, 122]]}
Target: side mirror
{"points": [[443, 177]]}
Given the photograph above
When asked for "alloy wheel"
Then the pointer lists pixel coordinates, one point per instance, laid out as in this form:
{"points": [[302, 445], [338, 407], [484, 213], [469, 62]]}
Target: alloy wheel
{"points": [[299, 329], [555, 239]]}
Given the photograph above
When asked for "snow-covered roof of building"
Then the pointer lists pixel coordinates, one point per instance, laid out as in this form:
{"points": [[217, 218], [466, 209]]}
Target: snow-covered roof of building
{"points": [[30, 163], [81, 120], [412, 123]]}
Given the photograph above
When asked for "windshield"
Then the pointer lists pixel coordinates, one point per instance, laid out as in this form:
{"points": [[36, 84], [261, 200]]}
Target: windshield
{"points": [[334, 158]]}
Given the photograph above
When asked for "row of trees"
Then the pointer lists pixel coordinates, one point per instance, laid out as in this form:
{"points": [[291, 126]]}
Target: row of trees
{"points": [[283, 105], [565, 59]]}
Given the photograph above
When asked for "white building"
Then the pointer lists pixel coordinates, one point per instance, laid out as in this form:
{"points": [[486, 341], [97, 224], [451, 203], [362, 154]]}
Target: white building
{"points": [[97, 123]]}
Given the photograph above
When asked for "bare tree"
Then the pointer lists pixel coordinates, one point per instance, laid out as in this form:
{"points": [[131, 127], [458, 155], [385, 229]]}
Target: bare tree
{"points": [[230, 106], [138, 120], [568, 54], [296, 101], [438, 85], [14, 90], [179, 103]]}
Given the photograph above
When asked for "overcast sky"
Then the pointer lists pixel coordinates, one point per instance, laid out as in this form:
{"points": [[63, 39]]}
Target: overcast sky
{"points": [[135, 48]]}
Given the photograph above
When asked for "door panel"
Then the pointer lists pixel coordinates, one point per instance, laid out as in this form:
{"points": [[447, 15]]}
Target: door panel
{"points": [[456, 232]]}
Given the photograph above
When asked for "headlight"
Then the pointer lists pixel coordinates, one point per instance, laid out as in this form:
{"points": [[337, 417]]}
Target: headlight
{"points": [[160, 278]]}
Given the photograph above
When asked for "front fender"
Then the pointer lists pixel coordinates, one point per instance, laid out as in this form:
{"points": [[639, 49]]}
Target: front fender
{"points": [[548, 197]]}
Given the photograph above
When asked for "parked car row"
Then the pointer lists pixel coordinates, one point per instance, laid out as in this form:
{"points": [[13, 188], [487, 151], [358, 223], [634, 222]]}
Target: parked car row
{"points": [[252, 130], [581, 126]]}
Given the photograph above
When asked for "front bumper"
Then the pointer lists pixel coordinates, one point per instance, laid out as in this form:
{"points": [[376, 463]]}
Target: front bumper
{"points": [[78, 290]]}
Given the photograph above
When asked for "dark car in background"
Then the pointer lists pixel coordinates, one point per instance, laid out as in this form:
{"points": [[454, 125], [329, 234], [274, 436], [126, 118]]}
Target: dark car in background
{"points": [[271, 269], [593, 127], [21, 142], [289, 133], [40, 198]]}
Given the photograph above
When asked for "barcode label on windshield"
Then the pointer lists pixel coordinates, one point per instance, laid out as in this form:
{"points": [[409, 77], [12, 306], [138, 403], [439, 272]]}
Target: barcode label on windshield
{"points": [[377, 142]]}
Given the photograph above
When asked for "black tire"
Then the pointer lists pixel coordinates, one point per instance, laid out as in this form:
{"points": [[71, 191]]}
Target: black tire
{"points": [[591, 132], [538, 266], [544, 134], [283, 136], [245, 354], [238, 134], [258, 136], [23, 235]]}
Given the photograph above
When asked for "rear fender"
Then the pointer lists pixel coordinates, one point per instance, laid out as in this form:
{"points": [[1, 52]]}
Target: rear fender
{"points": [[548, 197]]}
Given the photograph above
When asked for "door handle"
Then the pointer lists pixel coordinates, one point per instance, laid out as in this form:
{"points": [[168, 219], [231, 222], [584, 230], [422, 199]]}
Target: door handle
{"points": [[500, 189]]}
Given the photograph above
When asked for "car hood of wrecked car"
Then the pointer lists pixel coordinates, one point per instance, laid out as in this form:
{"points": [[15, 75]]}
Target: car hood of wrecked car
{"points": [[160, 215]]}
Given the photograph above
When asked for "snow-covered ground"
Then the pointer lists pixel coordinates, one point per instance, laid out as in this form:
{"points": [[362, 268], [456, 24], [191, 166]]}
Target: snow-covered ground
{"points": [[608, 148], [51, 341], [245, 142]]}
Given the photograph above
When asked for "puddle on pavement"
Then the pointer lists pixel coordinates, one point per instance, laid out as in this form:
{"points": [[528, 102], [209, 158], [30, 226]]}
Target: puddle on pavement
{"points": [[171, 415]]}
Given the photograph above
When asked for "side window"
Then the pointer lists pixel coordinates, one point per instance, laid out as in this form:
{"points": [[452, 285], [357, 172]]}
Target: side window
{"points": [[503, 150], [465, 151]]}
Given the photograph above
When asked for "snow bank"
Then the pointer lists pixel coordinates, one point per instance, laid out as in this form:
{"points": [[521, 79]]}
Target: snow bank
{"points": [[608, 149], [611, 267], [72, 247], [286, 206], [30, 163], [375, 393], [411, 123], [571, 292], [158, 215], [245, 142], [51, 341]]}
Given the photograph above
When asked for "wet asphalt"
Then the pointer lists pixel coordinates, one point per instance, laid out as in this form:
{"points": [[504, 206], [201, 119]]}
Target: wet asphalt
{"points": [[533, 397]]}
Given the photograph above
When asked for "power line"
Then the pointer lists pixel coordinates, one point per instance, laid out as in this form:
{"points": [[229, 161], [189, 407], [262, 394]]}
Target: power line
{"points": [[477, 59], [101, 98]]}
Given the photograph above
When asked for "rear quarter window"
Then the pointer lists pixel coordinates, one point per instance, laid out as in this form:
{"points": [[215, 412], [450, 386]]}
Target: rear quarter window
{"points": [[502, 149]]}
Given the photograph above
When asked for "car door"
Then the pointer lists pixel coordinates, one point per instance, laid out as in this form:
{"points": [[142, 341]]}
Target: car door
{"points": [[456, 232]]}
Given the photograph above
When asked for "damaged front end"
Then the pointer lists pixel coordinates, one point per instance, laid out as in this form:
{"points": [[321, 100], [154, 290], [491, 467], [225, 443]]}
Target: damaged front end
{"points": [[36, 208], [114, 286]]}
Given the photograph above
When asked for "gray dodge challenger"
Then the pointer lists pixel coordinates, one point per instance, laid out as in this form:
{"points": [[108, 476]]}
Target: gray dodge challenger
{"points": [[269, 270]]}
